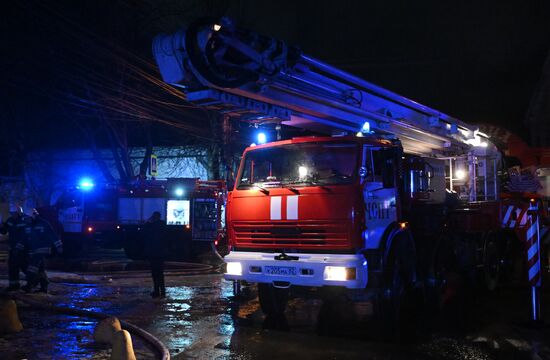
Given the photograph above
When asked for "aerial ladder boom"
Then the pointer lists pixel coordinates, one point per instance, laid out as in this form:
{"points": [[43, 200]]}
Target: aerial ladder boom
{"points": [[260, 79]]}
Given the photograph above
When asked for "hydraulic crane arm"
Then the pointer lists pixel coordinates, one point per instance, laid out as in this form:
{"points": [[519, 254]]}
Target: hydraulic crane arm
{"points": [[258, 78]]}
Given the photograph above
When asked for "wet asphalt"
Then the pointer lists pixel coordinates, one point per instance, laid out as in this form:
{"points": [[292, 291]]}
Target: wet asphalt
{"points": [[201, 319]]}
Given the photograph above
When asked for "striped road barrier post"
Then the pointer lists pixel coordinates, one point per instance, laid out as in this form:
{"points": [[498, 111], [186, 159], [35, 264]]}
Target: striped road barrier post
{"points": [[533, 261]]}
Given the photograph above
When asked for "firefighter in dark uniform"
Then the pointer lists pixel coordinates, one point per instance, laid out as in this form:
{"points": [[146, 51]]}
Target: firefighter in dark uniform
{"points": [[155, 250], [40, 239], [17, 258]]}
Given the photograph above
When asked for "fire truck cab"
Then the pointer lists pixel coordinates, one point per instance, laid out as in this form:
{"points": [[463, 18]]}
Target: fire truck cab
{"points": [[303, 210]]}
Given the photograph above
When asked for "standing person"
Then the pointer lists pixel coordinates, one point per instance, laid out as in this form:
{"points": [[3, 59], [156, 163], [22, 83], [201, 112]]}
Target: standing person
{"points": [[40, 239], [155, 249], [17, 259]]}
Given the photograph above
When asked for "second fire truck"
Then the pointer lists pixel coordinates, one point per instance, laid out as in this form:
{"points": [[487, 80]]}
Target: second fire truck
{"points": [[112, 216]]}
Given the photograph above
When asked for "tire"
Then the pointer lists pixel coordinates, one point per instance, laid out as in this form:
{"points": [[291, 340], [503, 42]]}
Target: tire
{"points": [[514, 263], [454, 295], [272, 300], [446, 270], [492, 260], [401, 302]]}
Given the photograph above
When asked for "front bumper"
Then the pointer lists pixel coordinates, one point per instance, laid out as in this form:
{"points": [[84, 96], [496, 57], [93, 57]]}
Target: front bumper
{"points": [[308, 270]]}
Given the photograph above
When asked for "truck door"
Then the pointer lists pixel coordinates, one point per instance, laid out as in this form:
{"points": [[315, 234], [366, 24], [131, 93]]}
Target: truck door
{"points": [[379, 193], [205, 219], [70, 212]]}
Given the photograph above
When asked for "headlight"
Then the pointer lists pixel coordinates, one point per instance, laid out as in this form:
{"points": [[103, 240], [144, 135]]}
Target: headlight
{"points": [[339, 273], [234, 268]]}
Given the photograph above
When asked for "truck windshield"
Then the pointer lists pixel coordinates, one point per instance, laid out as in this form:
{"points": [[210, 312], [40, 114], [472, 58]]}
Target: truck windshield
{"points": [[323, 163]]}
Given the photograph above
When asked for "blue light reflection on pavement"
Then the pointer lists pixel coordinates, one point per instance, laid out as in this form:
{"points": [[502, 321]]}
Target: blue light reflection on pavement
{"points": [[69, 340], [90, 297], [73, 335], [227, 321], [192, 315]]}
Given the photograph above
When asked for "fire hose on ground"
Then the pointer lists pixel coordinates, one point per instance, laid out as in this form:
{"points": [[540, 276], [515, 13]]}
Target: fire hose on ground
{"points": [[181, 269], [159, 347]]}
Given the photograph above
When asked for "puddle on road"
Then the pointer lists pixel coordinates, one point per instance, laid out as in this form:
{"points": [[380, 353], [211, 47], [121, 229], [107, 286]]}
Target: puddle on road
{"points": [[193, 316]]}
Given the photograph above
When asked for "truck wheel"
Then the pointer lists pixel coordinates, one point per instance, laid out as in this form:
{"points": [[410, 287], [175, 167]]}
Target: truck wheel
{"points": [[272, 300], [400, 302], [513, 266], [443, 273], [491, 262]]}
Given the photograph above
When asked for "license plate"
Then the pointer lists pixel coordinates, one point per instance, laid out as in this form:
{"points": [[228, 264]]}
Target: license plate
{"points": [[280, 270]]}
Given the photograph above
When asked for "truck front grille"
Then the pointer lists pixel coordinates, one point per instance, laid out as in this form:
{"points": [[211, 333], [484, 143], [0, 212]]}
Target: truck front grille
{"points": [[291, 233]]}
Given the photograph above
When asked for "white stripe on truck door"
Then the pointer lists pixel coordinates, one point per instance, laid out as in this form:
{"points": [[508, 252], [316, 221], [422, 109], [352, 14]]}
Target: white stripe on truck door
{"points": [[275, 208], [292, 207]]}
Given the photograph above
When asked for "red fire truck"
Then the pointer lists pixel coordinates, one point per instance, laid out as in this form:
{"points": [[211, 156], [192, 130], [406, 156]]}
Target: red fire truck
{"points": [[111, 216], [390, 196]]}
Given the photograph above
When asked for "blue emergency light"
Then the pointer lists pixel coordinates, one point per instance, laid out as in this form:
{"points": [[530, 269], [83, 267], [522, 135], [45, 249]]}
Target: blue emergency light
{"points": [[86, 184], [365, 129], [262, 138], [178, 192]]}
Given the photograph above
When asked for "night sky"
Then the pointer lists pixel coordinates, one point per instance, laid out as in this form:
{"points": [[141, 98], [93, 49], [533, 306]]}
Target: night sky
{"points": [[66, 63]]}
